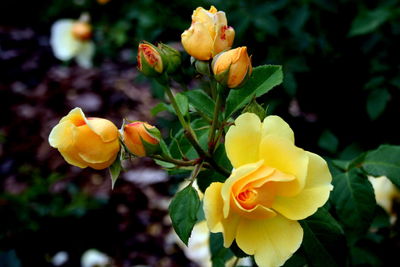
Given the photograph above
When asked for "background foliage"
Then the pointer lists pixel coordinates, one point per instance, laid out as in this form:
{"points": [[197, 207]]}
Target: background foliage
{"points": [[340, 94]]}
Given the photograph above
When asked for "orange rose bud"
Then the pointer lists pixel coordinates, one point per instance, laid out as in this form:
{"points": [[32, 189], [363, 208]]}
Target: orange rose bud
{"points": [[141, 138], [233, 67], [150, 60], [82, 31]]}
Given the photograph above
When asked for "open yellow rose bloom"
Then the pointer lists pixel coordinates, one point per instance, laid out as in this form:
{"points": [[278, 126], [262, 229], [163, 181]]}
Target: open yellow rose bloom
{"points": [[273, 184], [85, 142]]}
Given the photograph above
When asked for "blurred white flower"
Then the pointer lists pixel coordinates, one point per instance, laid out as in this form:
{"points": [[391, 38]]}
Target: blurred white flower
{"points": [[72, 39], [95, 258], [385, 193], [60, 258]]}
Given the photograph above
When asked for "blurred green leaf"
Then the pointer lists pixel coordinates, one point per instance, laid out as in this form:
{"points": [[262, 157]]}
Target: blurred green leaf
{"points": [[368, 21], [376, 103], [183, 211], [354, 200], [160, 107], [183, 103], [263, 79], [219, 254], [384, 161], [328, 141], [323, 238], [201, 101]]}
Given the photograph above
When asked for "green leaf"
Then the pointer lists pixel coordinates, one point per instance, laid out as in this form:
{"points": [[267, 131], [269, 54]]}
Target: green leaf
{"points": [[368, 21], [201, 101], [115, 169], [219, 254], [161, 107], [183, 211], [183, 103], [354, 200], [254, 107], [328, 141], [384, 161], [263, 79], [323, 240], [376, 103]]}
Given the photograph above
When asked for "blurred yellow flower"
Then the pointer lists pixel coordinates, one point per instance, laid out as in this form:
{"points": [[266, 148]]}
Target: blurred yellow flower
{"points": [[208, 34], [232, 67], [273, 185], [138, 132], [72, 39], [385, 194], [103, 2], [85, 141]]}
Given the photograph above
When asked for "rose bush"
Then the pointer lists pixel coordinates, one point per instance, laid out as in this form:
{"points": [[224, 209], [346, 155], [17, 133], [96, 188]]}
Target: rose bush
{"points": [[273, 184], [85, 142]]}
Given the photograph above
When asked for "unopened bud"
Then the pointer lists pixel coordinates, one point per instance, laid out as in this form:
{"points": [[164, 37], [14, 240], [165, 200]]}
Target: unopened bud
{"points": [[141, 138]]}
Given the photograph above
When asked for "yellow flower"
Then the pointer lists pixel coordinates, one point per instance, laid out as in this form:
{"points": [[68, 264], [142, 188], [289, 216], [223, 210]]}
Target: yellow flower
{"points": [[208, 35], [85, 141], [273, 185], [141, 138], [232, 67], [72, 39], [385, 194]]}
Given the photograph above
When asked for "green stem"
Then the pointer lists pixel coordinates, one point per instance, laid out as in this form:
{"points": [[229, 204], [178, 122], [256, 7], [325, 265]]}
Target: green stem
{"points": [[195, 172], [166, 158], [214, 125]]}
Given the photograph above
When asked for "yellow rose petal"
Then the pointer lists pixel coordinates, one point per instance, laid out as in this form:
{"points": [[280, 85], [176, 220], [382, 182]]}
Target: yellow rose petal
{"points": [[103, 128], [282, 154], [271, 241], [314, 195], [90, 146], [213, 206], [60, 135], [197, 41], [277, 126], [71, 156], [243, 140]]}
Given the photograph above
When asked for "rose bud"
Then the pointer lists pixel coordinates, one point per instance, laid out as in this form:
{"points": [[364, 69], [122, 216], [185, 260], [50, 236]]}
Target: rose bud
{"points": [[150, 60], [208, 35], [82, 30], [85, 142], [233, 67], [172, 57], [141, 138]]}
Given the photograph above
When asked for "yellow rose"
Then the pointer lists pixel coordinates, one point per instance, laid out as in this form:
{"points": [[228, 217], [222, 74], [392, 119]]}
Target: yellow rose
{"points": [[273, 185], [208, 35], [85, 141], [232, 67], [141, 138], [82, 30]]}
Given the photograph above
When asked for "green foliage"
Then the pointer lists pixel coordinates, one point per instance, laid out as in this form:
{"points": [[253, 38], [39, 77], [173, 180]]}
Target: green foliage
{"points": [[262, 80], [183, 211], [376, 103], [201, 102], [323, 242], [369, 20], [115, 169]]}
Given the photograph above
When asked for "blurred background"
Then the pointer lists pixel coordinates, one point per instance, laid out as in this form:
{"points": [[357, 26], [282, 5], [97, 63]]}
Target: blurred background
{"points": [[340, 94]]}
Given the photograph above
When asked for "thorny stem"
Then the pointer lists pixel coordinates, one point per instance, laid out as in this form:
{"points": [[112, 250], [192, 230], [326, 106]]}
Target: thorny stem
{"points": [[195, 172], [214, 125], [166, 158]]}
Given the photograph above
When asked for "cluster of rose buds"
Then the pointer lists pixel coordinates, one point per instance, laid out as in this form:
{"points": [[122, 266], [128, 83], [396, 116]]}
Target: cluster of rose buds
{"points": [[209, 37]]}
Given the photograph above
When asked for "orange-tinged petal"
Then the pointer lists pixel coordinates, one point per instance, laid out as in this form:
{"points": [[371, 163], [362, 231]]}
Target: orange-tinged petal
{"points": [[314, 195], [197, 41], [282, 154], [103, 165], [242, 141], [277, 126], [71, 156], [236, 175], [213, 205], [239, 68], [75, 116], [104, 128], [91, 147], [272, 241]]}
